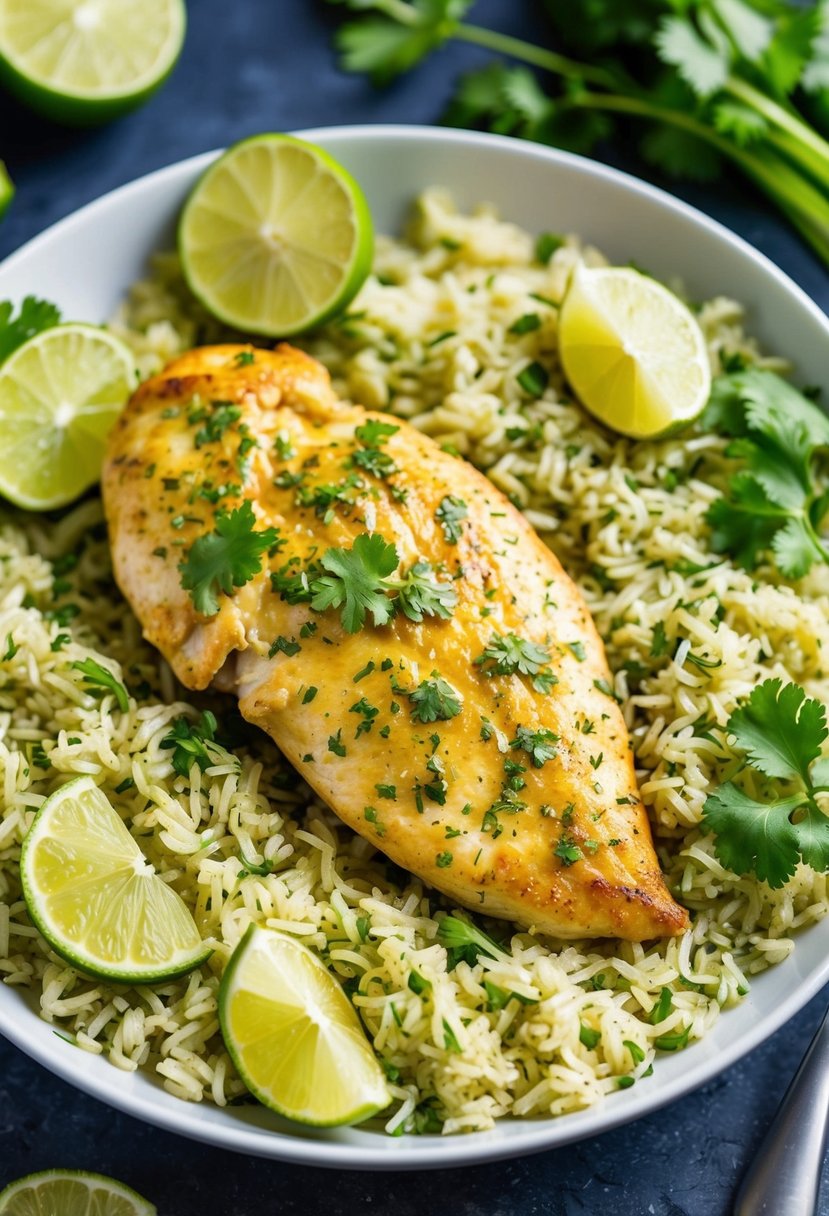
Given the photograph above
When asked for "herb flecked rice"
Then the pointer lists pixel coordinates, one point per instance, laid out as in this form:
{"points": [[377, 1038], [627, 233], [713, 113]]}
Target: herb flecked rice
{"points": [[432, 337]]}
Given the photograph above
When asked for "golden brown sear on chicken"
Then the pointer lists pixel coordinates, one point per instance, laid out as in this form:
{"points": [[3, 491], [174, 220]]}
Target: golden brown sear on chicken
{"points": [[398, 629]]}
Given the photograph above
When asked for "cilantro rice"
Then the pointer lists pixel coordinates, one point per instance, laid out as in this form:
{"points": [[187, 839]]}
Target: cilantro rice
{"points": [[432, 337]]}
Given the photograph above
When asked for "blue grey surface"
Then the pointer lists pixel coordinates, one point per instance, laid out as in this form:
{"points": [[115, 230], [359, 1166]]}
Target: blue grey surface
{"points": [[252, 65]]}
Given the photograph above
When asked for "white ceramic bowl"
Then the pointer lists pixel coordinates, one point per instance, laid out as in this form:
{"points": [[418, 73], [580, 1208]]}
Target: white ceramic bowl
{"points": [[87, 261]]}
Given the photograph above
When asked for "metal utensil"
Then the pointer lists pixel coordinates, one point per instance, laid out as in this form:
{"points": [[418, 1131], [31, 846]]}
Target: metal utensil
{"points": [[784, 1178]]}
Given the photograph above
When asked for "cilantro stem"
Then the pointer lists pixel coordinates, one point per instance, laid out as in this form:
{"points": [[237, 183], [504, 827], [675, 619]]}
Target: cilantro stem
{"points": [[805, 205], [806, 144], [538, 57]]}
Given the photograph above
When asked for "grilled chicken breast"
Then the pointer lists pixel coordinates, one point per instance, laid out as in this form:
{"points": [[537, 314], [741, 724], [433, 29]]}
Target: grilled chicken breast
{"points": [[479, 746]]}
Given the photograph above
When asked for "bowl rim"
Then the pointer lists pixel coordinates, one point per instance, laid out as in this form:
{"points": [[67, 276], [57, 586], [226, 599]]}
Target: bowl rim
{"points": [[429, 1151]]}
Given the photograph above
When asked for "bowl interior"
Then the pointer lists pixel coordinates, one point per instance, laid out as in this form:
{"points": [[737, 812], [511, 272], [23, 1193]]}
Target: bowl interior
{"points": [[86, 262]]}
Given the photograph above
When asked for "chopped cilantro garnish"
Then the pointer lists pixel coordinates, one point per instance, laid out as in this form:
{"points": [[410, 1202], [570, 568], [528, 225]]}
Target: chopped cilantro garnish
{"points": [[101, 677], [507, 654], [533, 379], [335, 743], [463, 940], [526, 324], [589, 1037], [244, 358], [577, 649], [11, 649], [287, 646], [540, 744], [568, 851], [545, 246], [435, 700], [449, 514], [443, 860], [223, 416], [386, 791], [193, 743]]}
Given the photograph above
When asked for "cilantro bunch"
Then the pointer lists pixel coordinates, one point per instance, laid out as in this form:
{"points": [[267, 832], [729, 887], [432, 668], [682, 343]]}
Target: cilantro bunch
{"points": [[746, 81], [781, 731], [777, 500]]}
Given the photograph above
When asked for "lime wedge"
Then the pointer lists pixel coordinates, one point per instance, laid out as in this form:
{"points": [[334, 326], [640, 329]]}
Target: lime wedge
{"points": [[59, 395], [633, 353], [94, 897], [71, 1193], [86, 61], [294, 1036], [276, 237], [6, 190]]}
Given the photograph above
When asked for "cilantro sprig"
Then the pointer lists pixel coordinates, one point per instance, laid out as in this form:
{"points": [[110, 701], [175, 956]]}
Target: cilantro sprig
{"points": [[781, 732], [356, 581], [359, 582], [779, 498], [228, 557], [706, 81]]}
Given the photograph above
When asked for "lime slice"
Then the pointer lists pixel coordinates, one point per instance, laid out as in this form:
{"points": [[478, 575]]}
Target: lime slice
{"points": [[95, 898], [59, 395], [85, 61], [71, 1193], [294, 1035], [6, 190], [633, 353], [276, 237]]}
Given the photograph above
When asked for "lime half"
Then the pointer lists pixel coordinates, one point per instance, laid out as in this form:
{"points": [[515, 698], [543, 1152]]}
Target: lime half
{"points": [[71, 1193], [6, 190], [85, 61], [95, 898], [633, 353], [59, 395], [294, 1036], [276, 237]]}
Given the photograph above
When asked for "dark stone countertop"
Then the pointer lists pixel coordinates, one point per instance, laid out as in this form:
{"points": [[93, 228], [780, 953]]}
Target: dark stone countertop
{"points": [[248, 66]]}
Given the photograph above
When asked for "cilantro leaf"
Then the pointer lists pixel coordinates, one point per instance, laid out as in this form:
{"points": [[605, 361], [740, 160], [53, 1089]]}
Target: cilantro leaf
{"points": [[384, 46], [99, 676], [355, 581], [435, 700], [777, 502], [540, 744], [703, 66], [421, 594], [226, 558], [753, 836], [32, 318], [780, 729]]}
